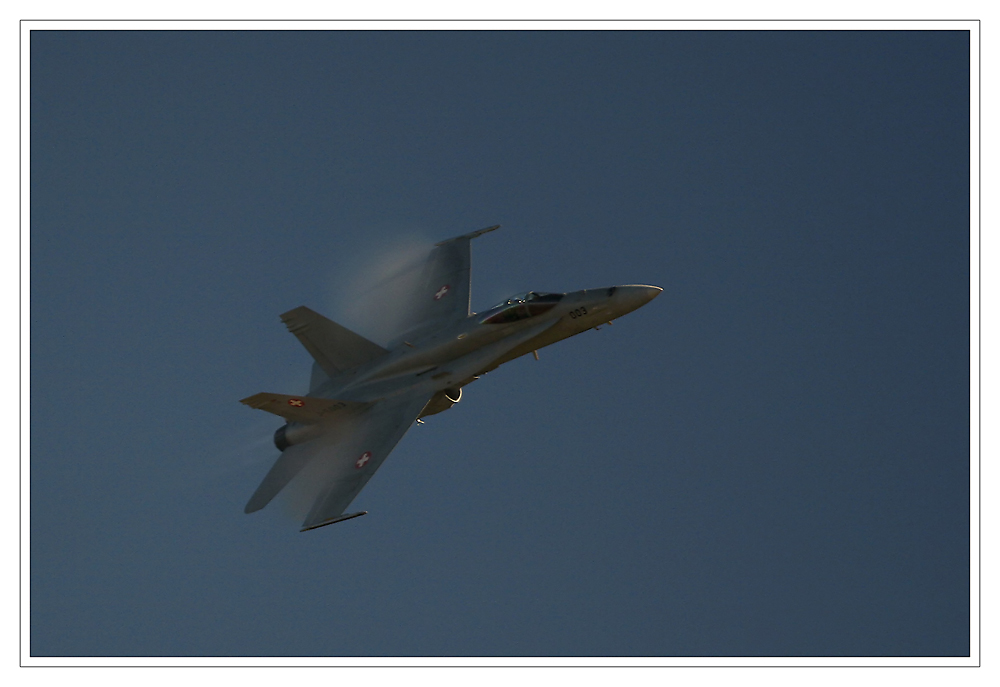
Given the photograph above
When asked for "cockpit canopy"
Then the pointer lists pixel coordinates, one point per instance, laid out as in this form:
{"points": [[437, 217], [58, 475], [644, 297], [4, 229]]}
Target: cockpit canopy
{"points": [[521, 306], [518, 298]]}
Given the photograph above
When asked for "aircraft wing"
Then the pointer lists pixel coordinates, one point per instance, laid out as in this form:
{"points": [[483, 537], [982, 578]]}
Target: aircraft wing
{"points": [[347, 456], [442, 292]]}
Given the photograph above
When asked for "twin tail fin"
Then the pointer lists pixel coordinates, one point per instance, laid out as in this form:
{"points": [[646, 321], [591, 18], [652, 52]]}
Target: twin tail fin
{"points": [[334, 348]]}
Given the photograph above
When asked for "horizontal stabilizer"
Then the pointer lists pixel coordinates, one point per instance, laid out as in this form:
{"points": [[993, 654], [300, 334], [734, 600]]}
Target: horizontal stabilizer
{"points": [[305, 409], [334, 347]]}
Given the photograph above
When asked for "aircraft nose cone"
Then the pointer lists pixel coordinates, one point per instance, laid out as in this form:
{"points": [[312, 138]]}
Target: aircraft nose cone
{"points": [[638, 294], [648, 293], [633, 296]]}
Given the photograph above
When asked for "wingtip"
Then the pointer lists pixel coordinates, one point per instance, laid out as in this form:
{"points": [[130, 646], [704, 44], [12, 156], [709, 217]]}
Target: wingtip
{"points": [[471, 235], [294, 311], [331, 521]]}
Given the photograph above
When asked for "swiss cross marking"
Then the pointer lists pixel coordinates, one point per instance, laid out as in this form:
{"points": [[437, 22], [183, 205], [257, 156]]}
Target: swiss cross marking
{"points": [[442, 292], [297, 402], [360, 462]]}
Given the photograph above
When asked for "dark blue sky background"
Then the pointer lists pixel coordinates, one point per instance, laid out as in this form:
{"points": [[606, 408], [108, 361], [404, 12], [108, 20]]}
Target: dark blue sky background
{"points": [[772, 458]]}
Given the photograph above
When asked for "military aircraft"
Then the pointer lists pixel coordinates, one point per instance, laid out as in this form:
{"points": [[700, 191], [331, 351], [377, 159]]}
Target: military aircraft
{"points": [[363, 398]]}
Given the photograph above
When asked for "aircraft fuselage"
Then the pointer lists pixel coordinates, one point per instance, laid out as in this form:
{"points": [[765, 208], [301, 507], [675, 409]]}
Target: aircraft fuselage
{"points": [[363, 396], [447, 359]]}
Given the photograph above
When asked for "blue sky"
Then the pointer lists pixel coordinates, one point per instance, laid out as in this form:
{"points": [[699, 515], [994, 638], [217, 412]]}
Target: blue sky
{"points": [[770, 459]]}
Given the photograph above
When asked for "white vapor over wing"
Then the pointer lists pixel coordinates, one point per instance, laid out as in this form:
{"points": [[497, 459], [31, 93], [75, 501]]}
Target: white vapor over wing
{"points": [[375, 296]]}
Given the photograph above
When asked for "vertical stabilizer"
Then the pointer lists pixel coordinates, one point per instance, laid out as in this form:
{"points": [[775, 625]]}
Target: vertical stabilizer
{"points": [[333, 347]]}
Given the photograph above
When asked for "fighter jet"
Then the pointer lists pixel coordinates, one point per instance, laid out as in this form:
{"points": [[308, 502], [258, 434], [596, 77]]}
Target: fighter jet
{"points": [[363, 398]]}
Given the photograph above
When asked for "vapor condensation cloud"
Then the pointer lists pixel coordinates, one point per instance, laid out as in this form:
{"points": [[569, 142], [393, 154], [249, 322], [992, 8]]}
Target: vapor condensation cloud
{"points": [[373, 295]]}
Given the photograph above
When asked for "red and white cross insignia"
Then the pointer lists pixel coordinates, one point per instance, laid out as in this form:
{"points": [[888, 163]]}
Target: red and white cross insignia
{"points": [[297, 402], [360, 462], [442, 292]]}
